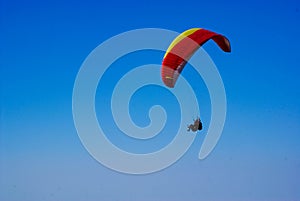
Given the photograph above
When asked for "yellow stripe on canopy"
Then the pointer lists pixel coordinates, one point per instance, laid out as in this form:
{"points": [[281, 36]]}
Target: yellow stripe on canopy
{"points": [[180, 37]]}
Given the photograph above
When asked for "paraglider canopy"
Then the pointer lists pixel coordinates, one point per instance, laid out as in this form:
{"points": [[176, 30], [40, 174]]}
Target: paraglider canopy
{"points": [[183, 47]]}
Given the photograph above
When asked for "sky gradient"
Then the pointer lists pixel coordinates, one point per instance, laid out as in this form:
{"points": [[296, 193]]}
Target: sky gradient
{"points": [[43, 44]]}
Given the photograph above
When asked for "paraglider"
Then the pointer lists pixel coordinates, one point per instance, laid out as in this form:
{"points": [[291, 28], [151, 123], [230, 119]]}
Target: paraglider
{"points": [[183, 47], [196, 126], [181, 50]]}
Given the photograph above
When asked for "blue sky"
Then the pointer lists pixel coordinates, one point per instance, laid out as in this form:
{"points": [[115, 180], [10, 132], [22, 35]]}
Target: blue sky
{"points": [[43, 44]]}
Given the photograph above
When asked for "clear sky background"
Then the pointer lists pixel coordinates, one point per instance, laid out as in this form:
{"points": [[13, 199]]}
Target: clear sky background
{"points": [[43, 44]]}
